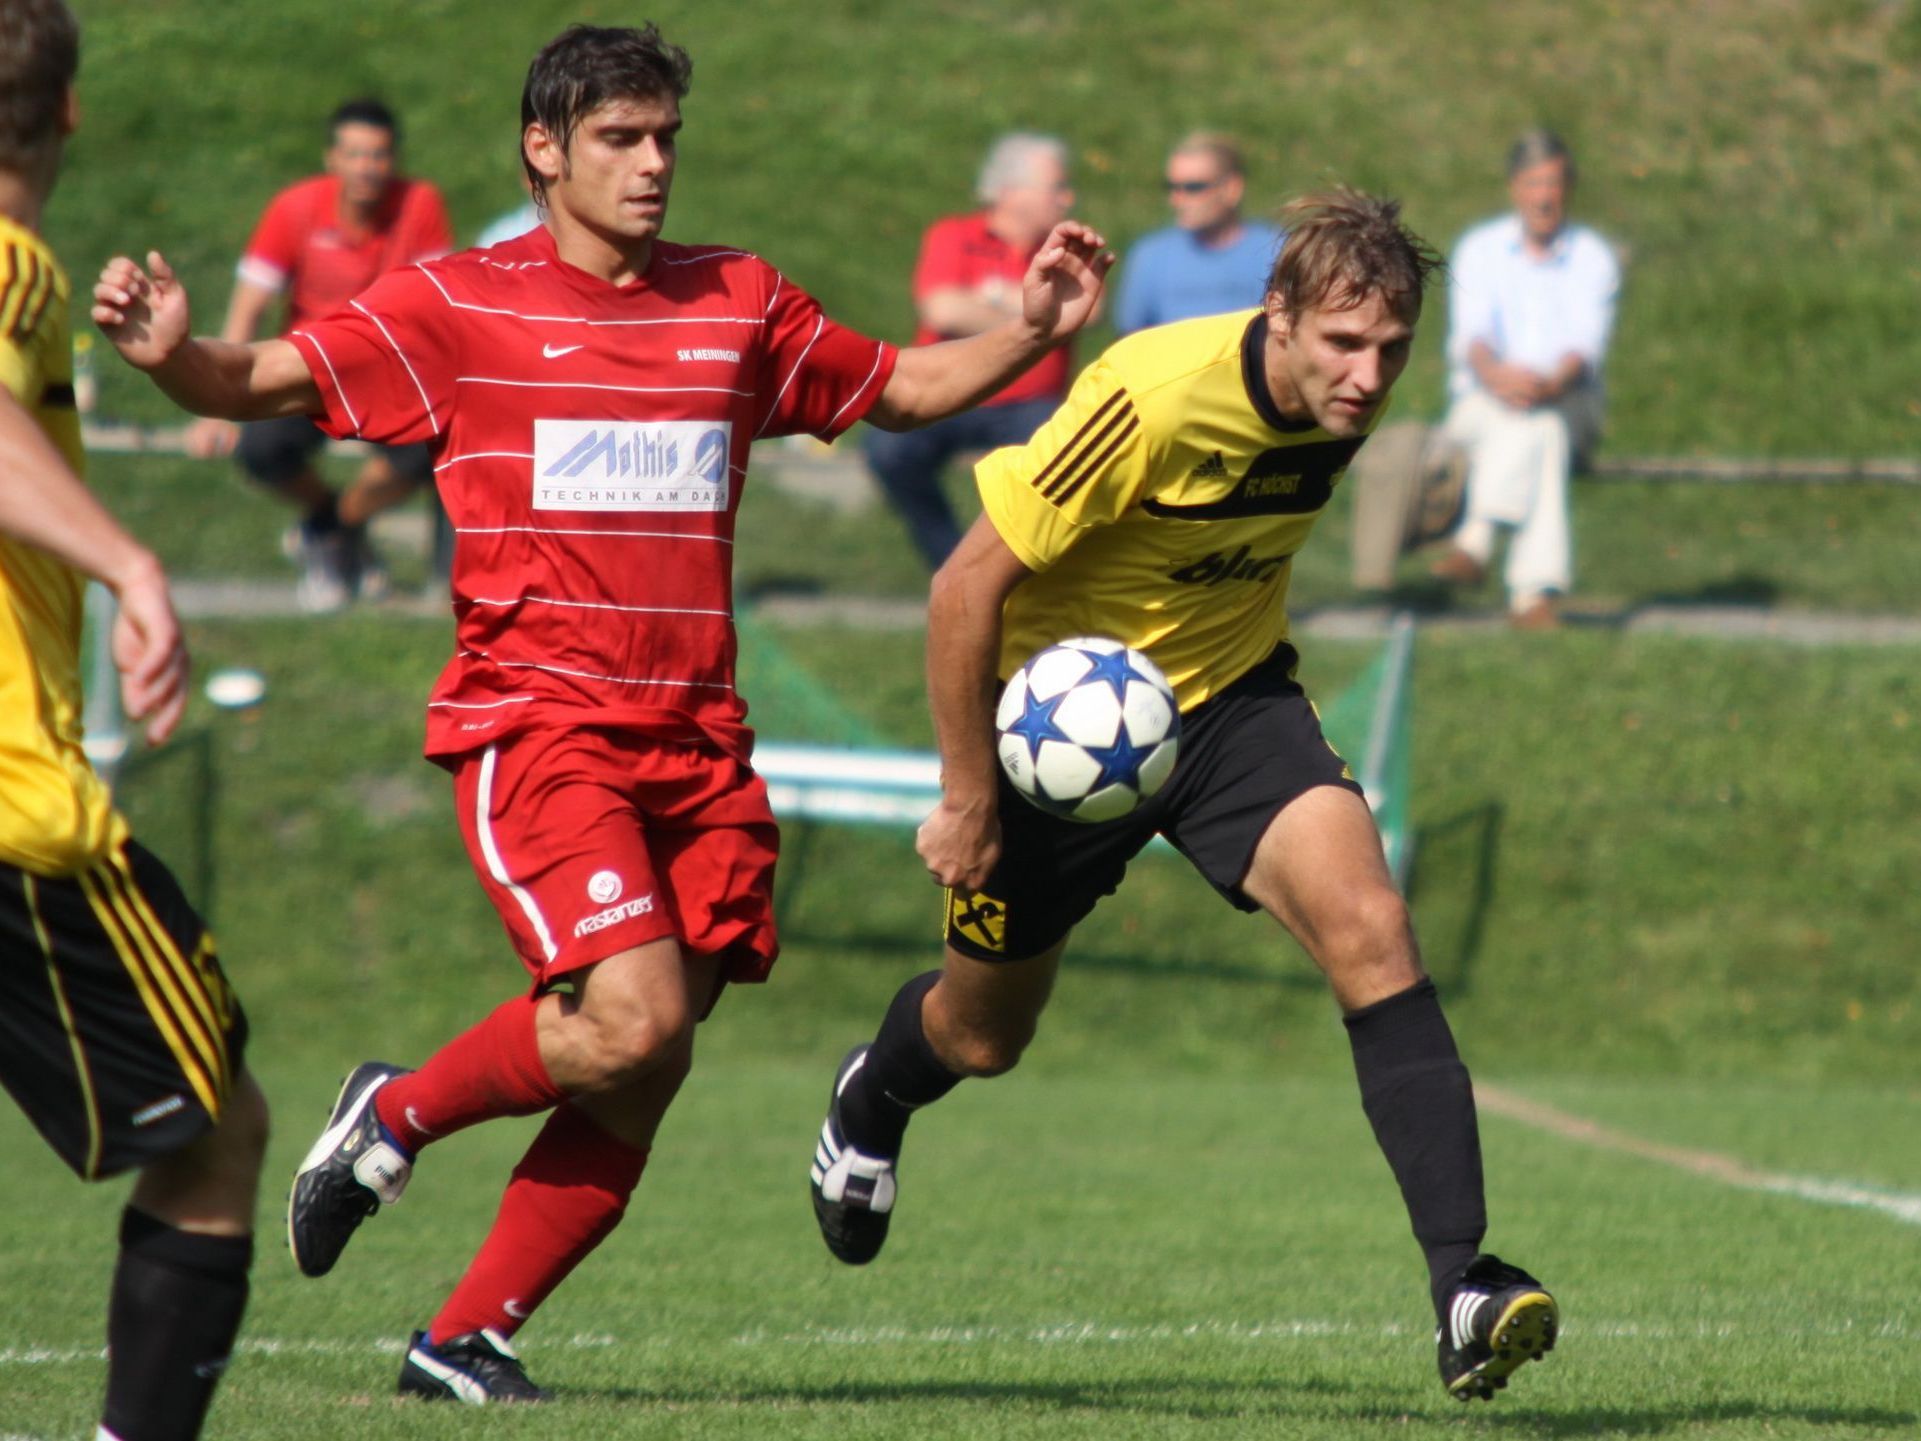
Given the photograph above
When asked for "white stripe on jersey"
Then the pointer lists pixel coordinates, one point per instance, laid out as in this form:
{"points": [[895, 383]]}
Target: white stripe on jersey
{"points": [[480, 705], [589, 675], [581, 319], [710, 255], [433, 419], [591, 605], [555, 530], [778, 277], [820, 324], [339, 389], [497, 868], [583, 385], [484, 455], [861, 389]]}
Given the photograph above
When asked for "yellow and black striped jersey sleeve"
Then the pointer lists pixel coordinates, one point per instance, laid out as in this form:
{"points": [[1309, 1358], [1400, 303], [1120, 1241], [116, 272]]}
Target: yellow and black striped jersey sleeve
{"points": [[1086, 467], [55, 814]]}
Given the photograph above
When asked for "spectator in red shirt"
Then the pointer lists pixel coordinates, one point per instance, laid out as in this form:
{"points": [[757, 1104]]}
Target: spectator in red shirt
{"points": [[968, 280], [589, 392], [320, 243]]}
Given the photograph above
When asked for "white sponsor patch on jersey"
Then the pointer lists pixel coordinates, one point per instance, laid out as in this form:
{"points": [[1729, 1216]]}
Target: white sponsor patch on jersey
{"points": [[631, 465], [732, 357]]}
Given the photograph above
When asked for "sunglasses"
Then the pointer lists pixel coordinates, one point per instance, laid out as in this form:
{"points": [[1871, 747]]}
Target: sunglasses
{"points": [[1189, 187]]}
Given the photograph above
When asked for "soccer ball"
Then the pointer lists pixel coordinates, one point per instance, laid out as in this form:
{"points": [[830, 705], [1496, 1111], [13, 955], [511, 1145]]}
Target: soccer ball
{"points": [[1088, 729]]}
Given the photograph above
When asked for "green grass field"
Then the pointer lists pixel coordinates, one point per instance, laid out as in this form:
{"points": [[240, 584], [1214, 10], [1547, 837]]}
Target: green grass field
{"points": [[1666, 885], [1172, 1220]]}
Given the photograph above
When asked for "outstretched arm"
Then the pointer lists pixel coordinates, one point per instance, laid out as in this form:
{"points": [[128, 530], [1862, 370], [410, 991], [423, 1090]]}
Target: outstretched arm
{"points": [[145, 314], [45, 505], [1060, 293]]}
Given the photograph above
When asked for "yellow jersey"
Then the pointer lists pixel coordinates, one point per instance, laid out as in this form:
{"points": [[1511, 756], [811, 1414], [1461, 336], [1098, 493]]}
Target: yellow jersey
{"points": [[56, 816], [1162, 505]]}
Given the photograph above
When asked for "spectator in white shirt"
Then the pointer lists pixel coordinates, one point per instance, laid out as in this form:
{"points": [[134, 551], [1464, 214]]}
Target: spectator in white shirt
{"points": [[1531, 305]]}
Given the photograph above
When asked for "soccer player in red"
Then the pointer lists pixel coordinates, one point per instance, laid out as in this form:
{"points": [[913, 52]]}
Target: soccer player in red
{"points": [[589, 392], [320, 242]]}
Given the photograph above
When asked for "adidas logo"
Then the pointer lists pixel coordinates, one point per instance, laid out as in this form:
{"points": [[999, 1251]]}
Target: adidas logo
{"points": [[1213, 468]]}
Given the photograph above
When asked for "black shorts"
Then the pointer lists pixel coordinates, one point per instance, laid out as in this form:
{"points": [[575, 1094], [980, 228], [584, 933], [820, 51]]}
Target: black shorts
{"points": [[1245, 754], [274, 451], [119, 1035]]}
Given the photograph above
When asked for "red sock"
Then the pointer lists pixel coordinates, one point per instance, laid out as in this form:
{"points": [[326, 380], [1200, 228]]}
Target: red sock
{"points": [[568, 1192], [492, 1070]]}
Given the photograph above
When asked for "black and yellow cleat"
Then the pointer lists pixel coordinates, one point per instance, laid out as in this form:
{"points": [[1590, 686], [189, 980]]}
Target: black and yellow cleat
{"points": [[1498, 1317]]}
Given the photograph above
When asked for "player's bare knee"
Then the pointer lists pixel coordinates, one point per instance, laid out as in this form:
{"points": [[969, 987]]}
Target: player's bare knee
{"points": [[1370, 935], [245, 1125], [990, 1052], [643, 1043]]}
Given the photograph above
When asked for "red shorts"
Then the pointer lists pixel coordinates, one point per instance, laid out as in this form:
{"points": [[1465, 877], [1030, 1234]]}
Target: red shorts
{"points": [[591, 842]]}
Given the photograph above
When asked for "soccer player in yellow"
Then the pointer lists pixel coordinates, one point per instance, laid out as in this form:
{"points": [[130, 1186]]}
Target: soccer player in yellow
{"points": [[1162, 506], [119, 1036]]}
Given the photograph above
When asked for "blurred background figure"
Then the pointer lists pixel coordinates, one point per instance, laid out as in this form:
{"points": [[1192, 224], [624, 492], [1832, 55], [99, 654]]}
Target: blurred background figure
{"points": [[320, 242], [510, 225], [1212, 259], [968, 280], [1531, 306]]}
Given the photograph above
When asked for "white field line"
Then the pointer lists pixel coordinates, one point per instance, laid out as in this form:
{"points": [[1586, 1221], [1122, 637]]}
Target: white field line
{"points": [[1065, 1333], [1901, 1205]]}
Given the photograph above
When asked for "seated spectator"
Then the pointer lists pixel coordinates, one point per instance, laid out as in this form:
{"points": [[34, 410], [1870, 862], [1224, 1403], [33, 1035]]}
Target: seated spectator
{"points": [[968, 280], [1212, 259], [1531, 308], [321, 242]]}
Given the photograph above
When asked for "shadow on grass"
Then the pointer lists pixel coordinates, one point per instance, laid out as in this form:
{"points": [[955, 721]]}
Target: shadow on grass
{"points": [[1685, 1419], [1462, 852], [1186, 1397], [1751, 590]]}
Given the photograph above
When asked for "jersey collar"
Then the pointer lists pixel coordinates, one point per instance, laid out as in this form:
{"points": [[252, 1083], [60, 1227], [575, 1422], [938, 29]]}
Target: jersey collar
{"points": [[1254, 378]]}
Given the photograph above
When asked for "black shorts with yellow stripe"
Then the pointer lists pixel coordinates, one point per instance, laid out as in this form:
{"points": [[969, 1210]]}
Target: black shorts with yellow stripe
{"points": [[119, 1035], [1245, 753]]}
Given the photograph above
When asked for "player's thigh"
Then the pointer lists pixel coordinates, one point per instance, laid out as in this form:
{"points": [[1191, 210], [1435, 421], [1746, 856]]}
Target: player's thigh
{"points": [[1246, 756], [1320, 871], [120, 1036], [211, 1183]]}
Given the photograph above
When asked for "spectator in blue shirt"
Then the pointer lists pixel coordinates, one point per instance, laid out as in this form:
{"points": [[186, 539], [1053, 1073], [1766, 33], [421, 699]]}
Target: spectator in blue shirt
{"points": [[1211, 259]]}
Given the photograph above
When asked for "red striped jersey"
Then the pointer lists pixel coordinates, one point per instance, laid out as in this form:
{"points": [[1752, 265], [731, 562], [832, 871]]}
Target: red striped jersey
{"points": [[590, 443]]}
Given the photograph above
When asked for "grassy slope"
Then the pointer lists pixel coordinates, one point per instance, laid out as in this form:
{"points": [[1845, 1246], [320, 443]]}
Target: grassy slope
{"points": [[1756, 161]]}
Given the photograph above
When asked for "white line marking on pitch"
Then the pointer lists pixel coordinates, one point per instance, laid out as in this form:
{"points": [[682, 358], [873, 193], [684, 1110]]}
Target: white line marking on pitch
{"points": [[1902, 1206], [1065, 1333]]}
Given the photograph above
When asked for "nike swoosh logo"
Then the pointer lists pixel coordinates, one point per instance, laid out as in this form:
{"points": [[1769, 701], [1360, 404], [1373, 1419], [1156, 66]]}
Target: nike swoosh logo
{"points": [[515, 1309], [554, 352]]}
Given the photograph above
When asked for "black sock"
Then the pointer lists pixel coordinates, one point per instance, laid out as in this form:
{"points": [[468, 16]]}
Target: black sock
{"points": [[323, 519], [177, 1301], [1420, 1101], [901, 1074]]}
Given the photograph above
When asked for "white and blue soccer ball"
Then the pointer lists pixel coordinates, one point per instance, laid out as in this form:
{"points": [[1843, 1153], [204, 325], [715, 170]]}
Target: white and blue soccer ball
{"points": [[1088, 729]]}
